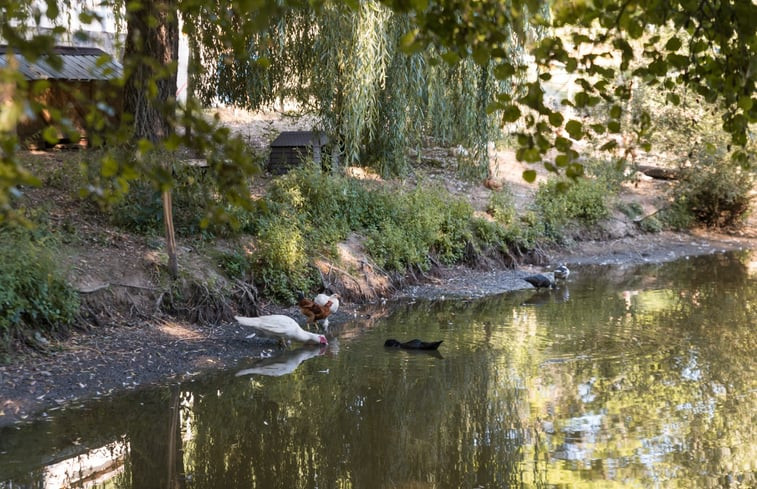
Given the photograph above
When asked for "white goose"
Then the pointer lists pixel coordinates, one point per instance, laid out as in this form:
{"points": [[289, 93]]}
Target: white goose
{"points": [[282, 327]]}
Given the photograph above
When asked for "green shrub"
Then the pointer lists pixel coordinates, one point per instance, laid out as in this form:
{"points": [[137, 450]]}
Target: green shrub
{"points": [[280, 263], [392, 248], [454, 231], [235, 264], [630, 209], [560, 202], [651, 225], [419, 224], [33, 292], [402, 229], [502, 208], [141, 209], [676, 216], [610, 174], [714, 194]]}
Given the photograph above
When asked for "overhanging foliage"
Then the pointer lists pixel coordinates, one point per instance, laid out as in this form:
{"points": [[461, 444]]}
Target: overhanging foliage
{"points": [[708, 46]]}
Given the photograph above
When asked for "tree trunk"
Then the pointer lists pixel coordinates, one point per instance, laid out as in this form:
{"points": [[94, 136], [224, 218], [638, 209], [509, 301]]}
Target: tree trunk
{"points": [[150, 56]]}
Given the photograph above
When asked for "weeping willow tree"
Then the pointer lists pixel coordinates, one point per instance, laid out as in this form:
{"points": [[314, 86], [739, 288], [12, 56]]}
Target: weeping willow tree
{"points": [[348, 67]]}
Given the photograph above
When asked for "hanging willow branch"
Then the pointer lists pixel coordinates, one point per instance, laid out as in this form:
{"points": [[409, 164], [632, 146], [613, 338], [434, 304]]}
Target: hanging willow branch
{"points": [[346, 66]]}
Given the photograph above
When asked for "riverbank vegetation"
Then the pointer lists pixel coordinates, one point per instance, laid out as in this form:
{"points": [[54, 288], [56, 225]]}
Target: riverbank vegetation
{"points": [[299, 220], [386, 84]]}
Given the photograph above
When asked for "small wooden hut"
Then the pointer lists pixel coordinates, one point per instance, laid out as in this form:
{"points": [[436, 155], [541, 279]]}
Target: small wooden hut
{"points": [[291, 148], [82, 78]]}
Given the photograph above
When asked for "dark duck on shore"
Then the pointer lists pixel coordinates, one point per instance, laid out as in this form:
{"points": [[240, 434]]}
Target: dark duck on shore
{"points": [[415, 344], [541, 280]]}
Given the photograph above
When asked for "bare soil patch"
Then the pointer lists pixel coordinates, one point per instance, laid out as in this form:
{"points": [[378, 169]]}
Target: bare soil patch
{"points": [[131, 343]]}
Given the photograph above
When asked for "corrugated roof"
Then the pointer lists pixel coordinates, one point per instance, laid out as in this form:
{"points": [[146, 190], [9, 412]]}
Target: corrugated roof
{"points": [[78, 63], [300, 138]]}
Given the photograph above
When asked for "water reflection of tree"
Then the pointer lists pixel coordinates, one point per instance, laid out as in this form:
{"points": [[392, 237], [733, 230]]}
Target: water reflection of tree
{"points": [[155, 441], [648, 386], [466, 428], [679, 372]]}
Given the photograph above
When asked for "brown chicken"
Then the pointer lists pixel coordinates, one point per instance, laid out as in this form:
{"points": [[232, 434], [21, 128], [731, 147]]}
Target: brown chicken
{"points": [[312, 311], [492, 184]]}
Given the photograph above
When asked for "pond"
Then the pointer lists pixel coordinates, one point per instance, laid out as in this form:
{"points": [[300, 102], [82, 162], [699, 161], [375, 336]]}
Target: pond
{"points": [[624, 377]]}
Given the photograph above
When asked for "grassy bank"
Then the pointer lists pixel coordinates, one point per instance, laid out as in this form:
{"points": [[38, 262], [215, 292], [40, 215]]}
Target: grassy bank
{"points": [[267, 252]]}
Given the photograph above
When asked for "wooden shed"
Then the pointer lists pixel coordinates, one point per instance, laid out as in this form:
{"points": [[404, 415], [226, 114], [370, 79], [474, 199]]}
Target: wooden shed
{"points": [[83, 78], [291, 148]]}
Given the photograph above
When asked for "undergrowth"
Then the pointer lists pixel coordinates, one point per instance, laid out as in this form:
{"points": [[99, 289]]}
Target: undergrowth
{"points": [[306, 213], [34, 295], [560, 202], [402, 229], [716, 195]]}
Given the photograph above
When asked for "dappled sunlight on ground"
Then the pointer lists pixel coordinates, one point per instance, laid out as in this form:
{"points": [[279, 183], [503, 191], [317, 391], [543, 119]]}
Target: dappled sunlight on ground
{"points": [[178, 330], [362, 173]]}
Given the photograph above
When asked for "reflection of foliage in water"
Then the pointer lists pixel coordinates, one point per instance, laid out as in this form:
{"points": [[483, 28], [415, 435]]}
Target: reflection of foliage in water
{"points": [[643, 377]]}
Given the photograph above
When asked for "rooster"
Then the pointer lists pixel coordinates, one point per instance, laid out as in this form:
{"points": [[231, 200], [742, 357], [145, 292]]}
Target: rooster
{"points": [[322, 299], [314, 311]]}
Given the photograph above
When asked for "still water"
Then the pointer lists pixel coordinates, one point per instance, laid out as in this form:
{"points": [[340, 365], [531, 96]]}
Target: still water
{"points": [[637, 377]]}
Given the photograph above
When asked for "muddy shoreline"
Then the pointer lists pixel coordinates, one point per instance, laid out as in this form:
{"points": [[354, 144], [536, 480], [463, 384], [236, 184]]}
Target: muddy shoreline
{"points": [[110, 359]]}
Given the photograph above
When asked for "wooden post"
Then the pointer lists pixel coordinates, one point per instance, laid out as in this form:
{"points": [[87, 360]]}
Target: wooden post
{"points": [[173, 261]]}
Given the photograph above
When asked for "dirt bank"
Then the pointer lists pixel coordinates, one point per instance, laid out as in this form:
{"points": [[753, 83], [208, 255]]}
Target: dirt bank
{"points": [[121, 351], [98, 363]]}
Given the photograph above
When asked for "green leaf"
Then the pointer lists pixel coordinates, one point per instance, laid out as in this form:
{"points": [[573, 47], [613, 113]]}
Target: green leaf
{"points": [[575, 170], [481, 55], [531, 155], [504, 71], [609, 145], [409, 43], [616, 111], [581, 99], [613, 127], [529, 176], [493, 107], [556, 119], [574, 128], [746, 102], [563, 144], [172, 142], [562, 160], [511, 113], [450, 57], [634, 28], [673, 44], [109, 167], [52, 10], [50, 135]]}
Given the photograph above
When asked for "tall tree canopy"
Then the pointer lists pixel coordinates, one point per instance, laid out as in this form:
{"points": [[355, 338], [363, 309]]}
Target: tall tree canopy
{"points": [[707, 46]]}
